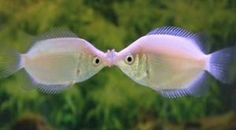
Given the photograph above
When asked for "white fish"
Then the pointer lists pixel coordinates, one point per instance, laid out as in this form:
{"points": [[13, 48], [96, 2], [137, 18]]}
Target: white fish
{"points": [[56, 61], [170, 61]]}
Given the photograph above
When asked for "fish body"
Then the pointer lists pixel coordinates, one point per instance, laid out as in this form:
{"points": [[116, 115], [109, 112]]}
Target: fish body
{"points": [[170, 61], [61, 61], [56, 63], [159, 57]]}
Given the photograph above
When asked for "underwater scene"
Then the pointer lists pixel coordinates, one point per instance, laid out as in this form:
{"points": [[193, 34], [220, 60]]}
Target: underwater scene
{"points": [[109, 91]]}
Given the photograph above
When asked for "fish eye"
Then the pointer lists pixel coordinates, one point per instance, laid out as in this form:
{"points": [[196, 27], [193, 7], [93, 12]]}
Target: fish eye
{"points": [[96, 61], [129, 59]]}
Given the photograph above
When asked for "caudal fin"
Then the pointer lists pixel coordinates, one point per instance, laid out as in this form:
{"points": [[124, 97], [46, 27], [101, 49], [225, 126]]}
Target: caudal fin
{"points": [[220, 63], [9, 63]]}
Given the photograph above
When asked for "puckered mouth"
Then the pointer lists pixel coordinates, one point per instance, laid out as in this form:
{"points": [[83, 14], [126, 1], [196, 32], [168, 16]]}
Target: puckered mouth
{"points": [[110, 57]]}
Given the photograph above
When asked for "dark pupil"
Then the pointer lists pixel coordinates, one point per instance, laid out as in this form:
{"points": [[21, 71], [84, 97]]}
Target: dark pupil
{"points": [[97, 61], [129, 59]]}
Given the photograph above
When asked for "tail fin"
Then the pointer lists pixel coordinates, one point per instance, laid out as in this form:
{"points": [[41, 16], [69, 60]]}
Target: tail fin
{"points": [[10, 62], [220, 63]]}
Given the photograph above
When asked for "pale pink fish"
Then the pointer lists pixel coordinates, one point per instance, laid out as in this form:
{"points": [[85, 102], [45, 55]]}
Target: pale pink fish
{"points": [[170, 61], [56, 61]]}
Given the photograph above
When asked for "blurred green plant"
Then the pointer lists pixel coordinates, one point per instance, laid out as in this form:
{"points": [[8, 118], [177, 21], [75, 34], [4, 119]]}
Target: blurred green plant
{"points": [[110, 100]]}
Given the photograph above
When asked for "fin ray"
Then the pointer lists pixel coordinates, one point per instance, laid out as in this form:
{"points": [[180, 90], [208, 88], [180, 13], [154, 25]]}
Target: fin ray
{"points": [[176, 31], [220, 63], [170, 30], [56, 33], [52, 89], [53, 33]]}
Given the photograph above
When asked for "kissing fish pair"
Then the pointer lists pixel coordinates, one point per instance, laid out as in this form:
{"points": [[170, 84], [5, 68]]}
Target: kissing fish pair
{"points": [[168, 60]]}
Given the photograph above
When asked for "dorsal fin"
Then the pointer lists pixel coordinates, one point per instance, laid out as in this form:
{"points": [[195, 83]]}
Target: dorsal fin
{"points": [[53, 33], [176, 31], [56, 33]]}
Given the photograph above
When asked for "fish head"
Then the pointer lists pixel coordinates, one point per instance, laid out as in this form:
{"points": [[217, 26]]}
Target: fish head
{"points": [[132, 62], [110, 56], [92, 60]]}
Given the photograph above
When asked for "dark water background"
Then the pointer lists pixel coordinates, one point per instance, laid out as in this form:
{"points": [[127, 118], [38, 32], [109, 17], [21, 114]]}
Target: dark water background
{"points": [[110, 100]]}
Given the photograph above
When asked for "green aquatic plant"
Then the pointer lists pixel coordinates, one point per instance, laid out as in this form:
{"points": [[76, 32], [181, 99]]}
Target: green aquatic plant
{"points": [[110, 100]]}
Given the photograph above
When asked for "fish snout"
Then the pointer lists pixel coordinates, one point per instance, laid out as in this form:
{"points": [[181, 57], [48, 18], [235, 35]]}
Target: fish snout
{"points": [[110, 56]]}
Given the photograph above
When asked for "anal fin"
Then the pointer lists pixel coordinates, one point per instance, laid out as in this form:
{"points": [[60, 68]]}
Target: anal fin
{"points": [[52, 89], [197, 87], [28, 83], [174, 93]]}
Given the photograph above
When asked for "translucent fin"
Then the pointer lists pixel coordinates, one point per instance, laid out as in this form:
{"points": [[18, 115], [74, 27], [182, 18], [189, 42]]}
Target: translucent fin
{"points": [[196, 88], [56, 33], [52, 89], [170, 30], [220, 63], [200, 85], [31, 84], [10, 62], [26, 81], [176, 31], [52, 34], [174, 93]]}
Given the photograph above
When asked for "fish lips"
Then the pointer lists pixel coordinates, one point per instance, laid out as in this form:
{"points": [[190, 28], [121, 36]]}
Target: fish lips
{"points": [[110, 57]]}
